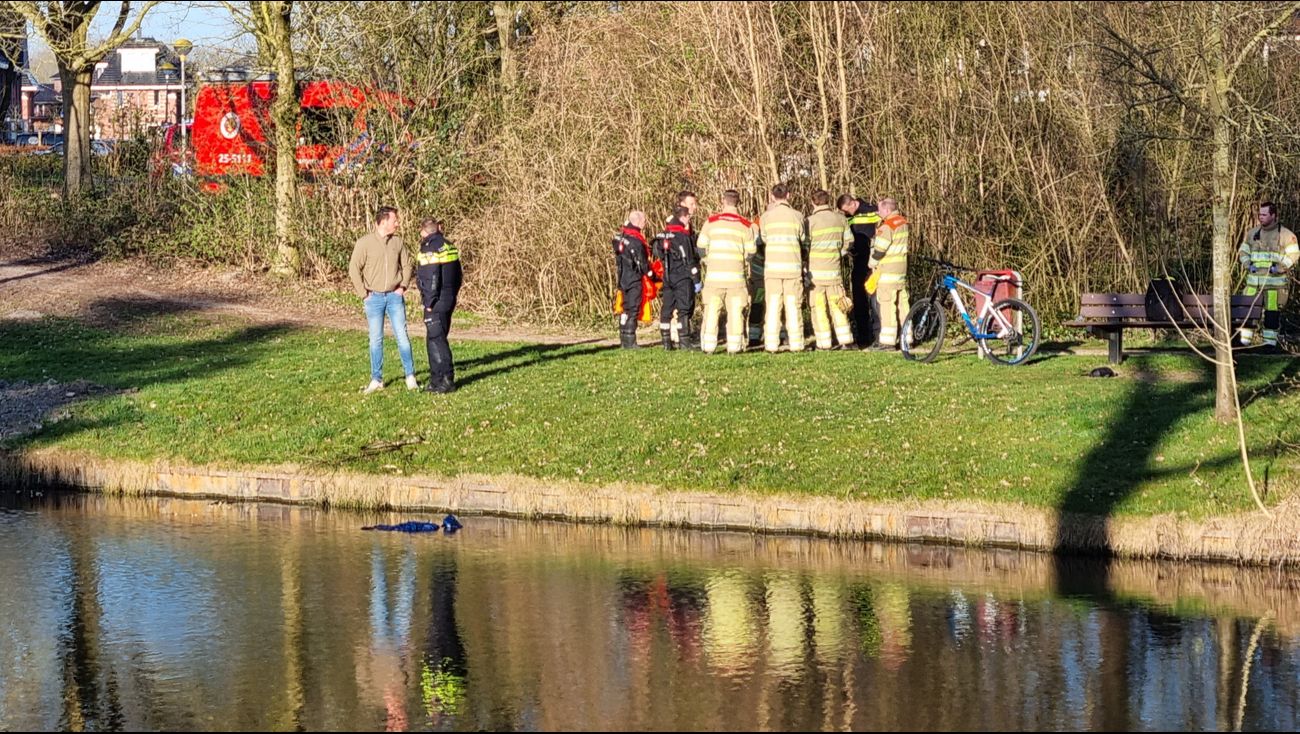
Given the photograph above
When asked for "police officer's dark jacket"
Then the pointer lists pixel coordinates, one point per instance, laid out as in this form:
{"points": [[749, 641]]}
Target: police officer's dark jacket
{"points": [[437, 268]]}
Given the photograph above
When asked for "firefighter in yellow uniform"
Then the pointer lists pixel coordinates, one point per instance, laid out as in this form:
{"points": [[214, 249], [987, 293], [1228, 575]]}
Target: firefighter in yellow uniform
{"points": [[782, 230], [889, 263], [1268, 254], [829, 239], [726, 243]]}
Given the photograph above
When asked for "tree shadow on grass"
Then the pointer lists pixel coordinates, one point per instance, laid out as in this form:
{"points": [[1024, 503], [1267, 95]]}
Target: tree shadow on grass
{"points": [[115, 350], [496, 364], [1127, 458]]}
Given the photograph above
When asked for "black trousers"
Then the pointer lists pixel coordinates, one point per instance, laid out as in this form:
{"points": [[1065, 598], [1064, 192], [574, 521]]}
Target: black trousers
{"points": [[866, 319], [679, 297], [631, 306], [437, 325]]}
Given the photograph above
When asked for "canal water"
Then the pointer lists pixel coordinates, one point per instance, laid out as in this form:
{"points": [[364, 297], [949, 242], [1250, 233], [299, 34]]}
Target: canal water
{"points": [[193, 615]]}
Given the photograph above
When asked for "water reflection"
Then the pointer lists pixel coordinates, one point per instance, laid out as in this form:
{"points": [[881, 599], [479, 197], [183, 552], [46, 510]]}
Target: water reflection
{"points": [[178, 614]]}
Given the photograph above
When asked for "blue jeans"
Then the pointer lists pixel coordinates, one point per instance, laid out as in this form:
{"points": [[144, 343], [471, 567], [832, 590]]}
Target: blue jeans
{"points": [[378, 304]]}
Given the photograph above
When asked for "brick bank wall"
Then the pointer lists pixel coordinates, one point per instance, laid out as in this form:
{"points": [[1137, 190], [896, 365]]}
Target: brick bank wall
{"points": [[1244, 539]]}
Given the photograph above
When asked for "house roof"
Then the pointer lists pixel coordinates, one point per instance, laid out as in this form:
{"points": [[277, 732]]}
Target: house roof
{"points": [[143, 42], [114, 76], [45, 94]]}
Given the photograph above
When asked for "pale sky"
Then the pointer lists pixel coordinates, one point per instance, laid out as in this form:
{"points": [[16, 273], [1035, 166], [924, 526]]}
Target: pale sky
{"points": [[205, 24]]}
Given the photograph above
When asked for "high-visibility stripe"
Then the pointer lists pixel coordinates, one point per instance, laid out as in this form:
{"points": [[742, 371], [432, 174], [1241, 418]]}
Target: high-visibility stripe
{"points": [[437, 258], [1264, 256]]}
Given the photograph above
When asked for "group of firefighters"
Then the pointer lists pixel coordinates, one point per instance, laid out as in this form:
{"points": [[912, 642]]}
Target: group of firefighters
{"points": [[802, 256]]}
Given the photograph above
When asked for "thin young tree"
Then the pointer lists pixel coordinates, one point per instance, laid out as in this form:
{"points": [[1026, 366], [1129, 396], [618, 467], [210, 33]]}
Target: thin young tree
{"points": [[1208, 91]]}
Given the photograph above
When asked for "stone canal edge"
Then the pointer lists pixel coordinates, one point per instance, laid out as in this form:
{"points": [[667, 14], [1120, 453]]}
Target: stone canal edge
{"points": [[1246, 538]]}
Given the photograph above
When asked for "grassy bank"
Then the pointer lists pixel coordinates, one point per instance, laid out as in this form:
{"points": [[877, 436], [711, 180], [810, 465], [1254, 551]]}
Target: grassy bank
{"points": [[845, 425]]}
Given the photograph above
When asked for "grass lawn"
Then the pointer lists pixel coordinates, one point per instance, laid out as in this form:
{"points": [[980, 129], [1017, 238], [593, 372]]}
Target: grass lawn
{"points": [[842, 424]]}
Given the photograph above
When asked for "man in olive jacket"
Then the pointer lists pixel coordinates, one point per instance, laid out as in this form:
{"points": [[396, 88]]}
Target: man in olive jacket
{"points": [[381, 270]]}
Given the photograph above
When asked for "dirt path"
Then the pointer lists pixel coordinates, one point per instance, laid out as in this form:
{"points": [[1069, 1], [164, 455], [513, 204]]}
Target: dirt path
{"points": [[33, 286]]}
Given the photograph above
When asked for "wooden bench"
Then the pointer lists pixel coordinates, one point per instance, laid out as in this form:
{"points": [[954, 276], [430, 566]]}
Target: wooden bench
{"points": [[1109, 314]]}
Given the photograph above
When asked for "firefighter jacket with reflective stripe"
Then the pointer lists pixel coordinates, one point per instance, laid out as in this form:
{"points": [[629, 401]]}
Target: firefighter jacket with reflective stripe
{"points": [[726, 240], [675, 248], [1272, 253], [437, 268], [889, 251], [829, 239], [782, 230], [630, 255]]}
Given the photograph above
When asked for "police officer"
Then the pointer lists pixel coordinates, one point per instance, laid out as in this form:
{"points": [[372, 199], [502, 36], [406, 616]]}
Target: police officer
{"points": [[681, 280], [863, 219], [438, 274], [630, 256]]}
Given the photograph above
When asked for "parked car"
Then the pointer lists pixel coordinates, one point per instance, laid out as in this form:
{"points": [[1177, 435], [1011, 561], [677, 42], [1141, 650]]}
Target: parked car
{"points": [[97, 147], [35, 139]]}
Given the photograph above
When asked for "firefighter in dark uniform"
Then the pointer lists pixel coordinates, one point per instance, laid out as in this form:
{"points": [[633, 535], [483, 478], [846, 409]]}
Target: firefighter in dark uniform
{"points": [[682, 280], [863, 219], [438, 274], [633, 264]]}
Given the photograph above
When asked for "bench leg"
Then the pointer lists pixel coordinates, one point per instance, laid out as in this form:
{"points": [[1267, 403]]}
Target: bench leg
{"points": [[1115, 339]]}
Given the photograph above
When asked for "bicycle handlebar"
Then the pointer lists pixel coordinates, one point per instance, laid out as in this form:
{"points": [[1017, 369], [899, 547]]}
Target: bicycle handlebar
{"points": [[948, 265]]}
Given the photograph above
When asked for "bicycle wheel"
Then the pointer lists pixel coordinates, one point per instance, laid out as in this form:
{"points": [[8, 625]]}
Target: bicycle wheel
{"points": [[1016, 330], [922, 332]]}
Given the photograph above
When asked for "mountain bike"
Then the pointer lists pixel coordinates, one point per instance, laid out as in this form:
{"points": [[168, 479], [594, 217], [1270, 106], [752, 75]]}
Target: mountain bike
{"points": [[1007, 332]]}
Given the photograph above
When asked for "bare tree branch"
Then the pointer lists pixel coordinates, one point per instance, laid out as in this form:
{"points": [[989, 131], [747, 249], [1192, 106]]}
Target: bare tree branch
{"points": [[1268, 30]]}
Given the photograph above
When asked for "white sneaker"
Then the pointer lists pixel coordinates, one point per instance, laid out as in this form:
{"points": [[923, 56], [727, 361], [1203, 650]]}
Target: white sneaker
{"points": [[411, 384], [372, 387]]}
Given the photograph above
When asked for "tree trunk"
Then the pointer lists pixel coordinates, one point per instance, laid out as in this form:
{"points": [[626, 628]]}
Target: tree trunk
{"points": [[1225, 404], [284, 115], [504, 14], [76, 129], [843, 173]]}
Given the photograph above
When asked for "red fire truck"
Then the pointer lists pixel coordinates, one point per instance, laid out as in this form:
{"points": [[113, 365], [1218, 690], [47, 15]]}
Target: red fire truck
{"points": [[231, 133]]}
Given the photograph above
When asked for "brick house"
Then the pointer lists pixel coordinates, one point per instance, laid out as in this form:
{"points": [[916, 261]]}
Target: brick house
{"points": [[13, 57], [137, 89], [41, 106]]}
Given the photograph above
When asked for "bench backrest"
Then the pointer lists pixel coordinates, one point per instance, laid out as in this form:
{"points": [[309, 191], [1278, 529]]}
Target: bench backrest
{"points": [[1133, 307]]}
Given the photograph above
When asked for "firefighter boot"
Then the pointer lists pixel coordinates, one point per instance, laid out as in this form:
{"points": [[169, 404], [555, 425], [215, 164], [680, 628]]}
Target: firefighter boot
{"points": [[666, 336], [627, 335], [690, 339]]}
